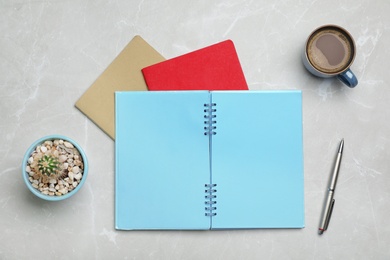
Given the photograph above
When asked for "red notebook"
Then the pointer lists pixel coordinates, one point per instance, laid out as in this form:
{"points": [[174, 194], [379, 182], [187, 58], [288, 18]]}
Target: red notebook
{"points": [[215, 67]]}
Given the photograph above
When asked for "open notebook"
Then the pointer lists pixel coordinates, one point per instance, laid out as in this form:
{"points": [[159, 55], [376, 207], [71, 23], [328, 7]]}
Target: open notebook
{"points": [[209, 160]]}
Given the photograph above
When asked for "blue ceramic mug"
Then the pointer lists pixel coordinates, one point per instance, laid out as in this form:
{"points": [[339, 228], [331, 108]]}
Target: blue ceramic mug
{"points": [[329, 52]]}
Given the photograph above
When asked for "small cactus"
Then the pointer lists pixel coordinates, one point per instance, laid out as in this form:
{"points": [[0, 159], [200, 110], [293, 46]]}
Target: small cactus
{"points": [[48, 165]]}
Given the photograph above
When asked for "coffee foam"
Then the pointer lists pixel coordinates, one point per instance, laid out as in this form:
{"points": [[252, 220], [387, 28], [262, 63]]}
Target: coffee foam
{"points": [[329, 50]]}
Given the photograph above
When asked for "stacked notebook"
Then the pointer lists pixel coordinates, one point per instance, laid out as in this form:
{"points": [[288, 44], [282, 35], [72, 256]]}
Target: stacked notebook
{"points": [[139, 67], [215, 67], [198, 150], [123, 74]]}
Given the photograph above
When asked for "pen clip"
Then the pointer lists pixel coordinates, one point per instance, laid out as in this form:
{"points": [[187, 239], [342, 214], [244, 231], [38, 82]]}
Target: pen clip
{"points": [[329, 215]]}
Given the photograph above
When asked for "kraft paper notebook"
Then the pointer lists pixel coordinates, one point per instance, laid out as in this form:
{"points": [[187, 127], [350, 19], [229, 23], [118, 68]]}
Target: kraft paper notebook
{"points": [[123, 74], [214, 67], [209, 160]]}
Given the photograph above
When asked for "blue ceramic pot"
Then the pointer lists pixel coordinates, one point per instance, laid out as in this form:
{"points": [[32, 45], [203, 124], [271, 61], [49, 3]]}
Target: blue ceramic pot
{"points": [[26, 176]]}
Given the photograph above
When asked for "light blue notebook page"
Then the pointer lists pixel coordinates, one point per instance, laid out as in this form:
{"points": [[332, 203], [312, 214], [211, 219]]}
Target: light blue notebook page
{"points": [[162, 160], [257, 160]]}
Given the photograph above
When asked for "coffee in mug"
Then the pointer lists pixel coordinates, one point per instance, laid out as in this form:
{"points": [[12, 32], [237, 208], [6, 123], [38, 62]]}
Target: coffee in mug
{"points": [[330, 51]]}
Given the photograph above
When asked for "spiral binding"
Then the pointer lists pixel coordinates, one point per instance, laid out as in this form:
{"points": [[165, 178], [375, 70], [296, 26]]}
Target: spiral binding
{"points": [[210, 200], [210, 116]]}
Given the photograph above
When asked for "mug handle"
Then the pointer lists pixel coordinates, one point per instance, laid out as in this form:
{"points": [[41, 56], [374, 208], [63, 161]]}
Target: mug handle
{"points": [[348, 78]]}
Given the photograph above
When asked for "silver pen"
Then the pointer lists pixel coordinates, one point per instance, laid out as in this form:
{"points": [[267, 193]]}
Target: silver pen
{"points": [[327, 213]]}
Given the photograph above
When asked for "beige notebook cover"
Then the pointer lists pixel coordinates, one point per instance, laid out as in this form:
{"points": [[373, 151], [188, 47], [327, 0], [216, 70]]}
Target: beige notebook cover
{"points": [[123, 74]]}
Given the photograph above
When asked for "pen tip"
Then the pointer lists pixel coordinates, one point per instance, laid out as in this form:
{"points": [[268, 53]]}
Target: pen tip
{"points": [[341, 145]]}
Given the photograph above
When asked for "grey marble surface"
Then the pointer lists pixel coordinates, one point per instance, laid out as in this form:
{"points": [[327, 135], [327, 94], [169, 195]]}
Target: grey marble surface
{"points": [[52, 51]]}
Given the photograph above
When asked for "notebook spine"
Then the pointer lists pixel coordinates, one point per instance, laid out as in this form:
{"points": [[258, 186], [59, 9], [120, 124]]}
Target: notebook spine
{"points": [[210, 116], [210, 200]]}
